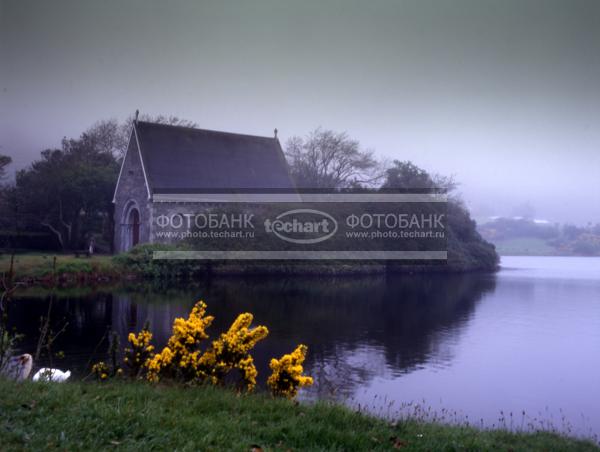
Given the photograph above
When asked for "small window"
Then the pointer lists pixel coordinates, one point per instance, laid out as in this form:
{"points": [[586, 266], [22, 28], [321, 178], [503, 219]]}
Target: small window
{"points": [[130, 172]]}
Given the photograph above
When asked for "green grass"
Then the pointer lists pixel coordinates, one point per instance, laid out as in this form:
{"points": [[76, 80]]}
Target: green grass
{"points": [[137, 416], [39, 265], [524, 246]]}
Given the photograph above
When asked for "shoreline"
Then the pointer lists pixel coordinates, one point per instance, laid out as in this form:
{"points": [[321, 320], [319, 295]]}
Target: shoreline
{"points": [[134, 415], [67, 271]]}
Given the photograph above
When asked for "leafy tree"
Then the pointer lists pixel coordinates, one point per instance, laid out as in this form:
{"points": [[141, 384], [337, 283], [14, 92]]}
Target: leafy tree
{"points": [[466, 248], [69, 191], [327, 159], [407, 175], [572, 232], [5, 160], [6, 196]]}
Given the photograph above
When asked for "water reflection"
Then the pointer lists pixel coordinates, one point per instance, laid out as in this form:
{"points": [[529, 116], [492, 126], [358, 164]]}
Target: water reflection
{"points": [[525, 339], [355, 327]]}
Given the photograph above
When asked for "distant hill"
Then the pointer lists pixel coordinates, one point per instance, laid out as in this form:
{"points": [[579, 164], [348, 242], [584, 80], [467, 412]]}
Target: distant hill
{"points": [[521, 236]]}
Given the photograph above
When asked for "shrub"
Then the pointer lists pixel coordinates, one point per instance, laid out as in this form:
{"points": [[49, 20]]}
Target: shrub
{"points": [[140, 260], [140, 352], [101, 370], [180, 358], [231, 351], [73, 267], [183, 359], [287, 378]]}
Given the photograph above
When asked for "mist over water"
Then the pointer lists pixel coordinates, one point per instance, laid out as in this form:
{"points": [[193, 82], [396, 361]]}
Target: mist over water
{"points": [[504, 95]]}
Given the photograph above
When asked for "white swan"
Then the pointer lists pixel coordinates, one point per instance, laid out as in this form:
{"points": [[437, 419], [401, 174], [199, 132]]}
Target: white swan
{"points": [[47, 374], [18, 367]]}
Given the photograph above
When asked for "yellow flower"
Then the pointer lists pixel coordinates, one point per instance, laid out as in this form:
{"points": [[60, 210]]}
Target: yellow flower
{"points": [[180, 356], [101, 370], [287, 378], [140, 353], [231, 350], [183, 359]]}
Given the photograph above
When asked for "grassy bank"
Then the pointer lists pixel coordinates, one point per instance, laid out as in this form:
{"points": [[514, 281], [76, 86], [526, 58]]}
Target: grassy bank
{"points": [[525, 246], [128, 416], [40, 268]]}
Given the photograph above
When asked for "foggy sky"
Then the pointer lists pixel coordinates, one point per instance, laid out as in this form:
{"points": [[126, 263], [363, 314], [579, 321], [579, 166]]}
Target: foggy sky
{"points": [[503, 94]]}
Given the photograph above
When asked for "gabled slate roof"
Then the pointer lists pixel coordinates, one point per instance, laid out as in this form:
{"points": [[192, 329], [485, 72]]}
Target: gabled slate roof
{"points": [[180, 159]]}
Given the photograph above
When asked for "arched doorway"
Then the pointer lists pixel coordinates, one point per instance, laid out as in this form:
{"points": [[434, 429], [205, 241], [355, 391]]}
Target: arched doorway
{"points": [[130, 226], [134, 221]]}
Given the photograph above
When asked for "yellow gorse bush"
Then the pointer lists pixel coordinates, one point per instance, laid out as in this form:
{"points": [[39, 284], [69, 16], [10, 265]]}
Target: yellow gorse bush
{"points": [[231, 350], [139, 352], [287, 378], [100, 370], [180, 357], [183, 359]]}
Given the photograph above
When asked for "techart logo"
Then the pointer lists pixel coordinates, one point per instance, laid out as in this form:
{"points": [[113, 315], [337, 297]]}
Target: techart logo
{"points": [[303, 226]]}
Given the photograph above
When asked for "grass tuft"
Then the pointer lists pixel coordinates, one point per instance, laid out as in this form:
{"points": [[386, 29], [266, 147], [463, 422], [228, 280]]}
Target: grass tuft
{"points": [[135, 416]]}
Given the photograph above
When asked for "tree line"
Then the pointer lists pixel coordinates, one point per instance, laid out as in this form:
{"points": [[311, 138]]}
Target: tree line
{"points": [[65, 197]]}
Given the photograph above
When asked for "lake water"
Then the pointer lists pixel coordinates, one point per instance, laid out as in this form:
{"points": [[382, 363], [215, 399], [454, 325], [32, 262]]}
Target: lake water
{"points": [[520, 348]]}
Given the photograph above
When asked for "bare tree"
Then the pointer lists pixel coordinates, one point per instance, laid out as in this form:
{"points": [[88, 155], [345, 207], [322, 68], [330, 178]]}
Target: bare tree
{"points": [[108, 136], [111, 136], [327, 159]]}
